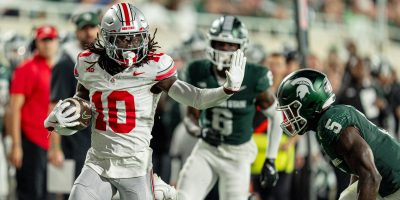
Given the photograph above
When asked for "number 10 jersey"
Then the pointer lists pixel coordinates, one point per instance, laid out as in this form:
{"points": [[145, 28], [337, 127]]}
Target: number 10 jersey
{"points": [[124, 109]]}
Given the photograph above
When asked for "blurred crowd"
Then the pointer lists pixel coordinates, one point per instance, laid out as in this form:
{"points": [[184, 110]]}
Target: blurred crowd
{"points": [[370, 84], [335, 10]]}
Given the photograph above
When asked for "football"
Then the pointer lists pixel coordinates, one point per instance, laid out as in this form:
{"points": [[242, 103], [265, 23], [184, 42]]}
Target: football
{"points": [[84, 110]]}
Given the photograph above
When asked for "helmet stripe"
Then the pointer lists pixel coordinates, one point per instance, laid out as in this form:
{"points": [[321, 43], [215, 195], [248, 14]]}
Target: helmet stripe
{"points": [[121, 13], [126, 14], [228, 23]]}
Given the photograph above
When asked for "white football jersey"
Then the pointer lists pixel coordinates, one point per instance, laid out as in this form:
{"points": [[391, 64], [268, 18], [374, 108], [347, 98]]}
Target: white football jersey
{"points": [[123, 113]]}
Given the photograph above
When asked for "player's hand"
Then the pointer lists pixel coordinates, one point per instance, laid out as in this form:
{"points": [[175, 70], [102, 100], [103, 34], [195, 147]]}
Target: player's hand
{"points": [[163, 191], [234, 77], [269, 175], [61, 115], [211, 136]]}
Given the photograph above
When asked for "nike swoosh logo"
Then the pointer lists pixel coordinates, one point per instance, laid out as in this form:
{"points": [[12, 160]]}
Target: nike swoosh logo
{"points": [[137, 73], [85, 116]]}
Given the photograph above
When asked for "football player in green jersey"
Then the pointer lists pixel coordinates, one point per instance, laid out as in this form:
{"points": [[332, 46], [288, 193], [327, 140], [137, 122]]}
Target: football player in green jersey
{"points": [[226, 150], [354, 144]]}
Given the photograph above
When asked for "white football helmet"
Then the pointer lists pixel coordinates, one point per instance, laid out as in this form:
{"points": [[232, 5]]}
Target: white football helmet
{"points": [[125, 33]]}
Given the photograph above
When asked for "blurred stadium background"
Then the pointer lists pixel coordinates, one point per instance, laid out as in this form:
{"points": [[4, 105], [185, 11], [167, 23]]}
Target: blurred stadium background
{"points": [[372, 24]]}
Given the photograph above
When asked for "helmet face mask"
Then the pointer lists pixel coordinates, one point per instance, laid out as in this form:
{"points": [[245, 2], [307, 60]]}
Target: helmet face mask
{"points": [[226, 35], [125, 33], [302, 95], [294, 123], [128, 41]]}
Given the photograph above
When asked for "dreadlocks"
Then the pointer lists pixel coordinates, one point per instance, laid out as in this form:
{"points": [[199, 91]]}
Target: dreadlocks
{"points": [[110, 65]]}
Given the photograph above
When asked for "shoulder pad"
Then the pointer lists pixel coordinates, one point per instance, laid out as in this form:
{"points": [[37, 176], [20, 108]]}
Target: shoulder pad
{"points": [[86, 62], [155, 56], [88, 56], [165, 67]]}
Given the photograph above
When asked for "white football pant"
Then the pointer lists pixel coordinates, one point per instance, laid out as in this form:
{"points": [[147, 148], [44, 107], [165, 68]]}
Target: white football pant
{"points": [[91, 186], [229, 163]]}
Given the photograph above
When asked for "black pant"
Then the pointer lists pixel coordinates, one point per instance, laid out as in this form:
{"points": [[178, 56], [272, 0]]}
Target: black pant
{"points": [[31, 177], [280, 192]]}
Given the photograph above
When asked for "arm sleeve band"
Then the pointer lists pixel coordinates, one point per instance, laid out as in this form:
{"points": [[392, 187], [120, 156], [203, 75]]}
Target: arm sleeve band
{"points": [[274, 130], [200, 99]]}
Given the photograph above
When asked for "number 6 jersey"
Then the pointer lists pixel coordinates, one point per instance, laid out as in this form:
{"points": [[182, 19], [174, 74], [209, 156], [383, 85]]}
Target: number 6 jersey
{"points": [[123, 108], [233, 118]]}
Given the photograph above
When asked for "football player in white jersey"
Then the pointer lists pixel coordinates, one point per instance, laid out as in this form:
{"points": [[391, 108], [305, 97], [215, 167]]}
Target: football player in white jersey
{"points": [[122, 77]]}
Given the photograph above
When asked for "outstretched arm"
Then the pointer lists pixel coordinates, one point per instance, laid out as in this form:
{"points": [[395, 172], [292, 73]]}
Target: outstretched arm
{"points": [[267, 102], [358, 155], [204, 98]]}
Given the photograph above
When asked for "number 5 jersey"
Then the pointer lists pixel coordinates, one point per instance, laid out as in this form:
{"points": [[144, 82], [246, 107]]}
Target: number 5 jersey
{"points": [[124, 109], [385, 148]]}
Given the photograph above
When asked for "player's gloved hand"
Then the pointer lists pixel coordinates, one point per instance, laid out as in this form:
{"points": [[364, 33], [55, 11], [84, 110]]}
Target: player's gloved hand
{"points": [[211, 136], [61, 116], [269, 175], [234, 76], [163, 191]]}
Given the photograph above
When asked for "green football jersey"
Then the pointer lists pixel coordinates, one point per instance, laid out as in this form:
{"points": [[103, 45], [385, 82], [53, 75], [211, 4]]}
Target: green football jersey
{"points": [[234, 117], [385, 148]]}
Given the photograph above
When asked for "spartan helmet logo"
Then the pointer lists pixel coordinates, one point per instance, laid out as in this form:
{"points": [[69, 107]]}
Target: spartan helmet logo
{"points": [[303, 87]]}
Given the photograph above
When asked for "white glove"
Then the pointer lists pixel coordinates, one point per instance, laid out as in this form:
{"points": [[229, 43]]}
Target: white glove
{"points": [[234, 76], [61, 130], [163, 191], [60, 117]]}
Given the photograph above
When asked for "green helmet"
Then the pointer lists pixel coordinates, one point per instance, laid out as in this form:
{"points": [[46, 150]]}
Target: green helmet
{"points": [[301, 96]]}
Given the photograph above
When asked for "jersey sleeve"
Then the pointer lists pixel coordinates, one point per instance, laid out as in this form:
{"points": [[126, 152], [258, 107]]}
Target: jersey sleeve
{"points": [[82, 66], [264, 78], [166, 66]]}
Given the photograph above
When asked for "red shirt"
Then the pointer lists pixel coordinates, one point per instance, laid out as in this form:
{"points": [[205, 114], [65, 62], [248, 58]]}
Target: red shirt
{"points": [[32, 79]]}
